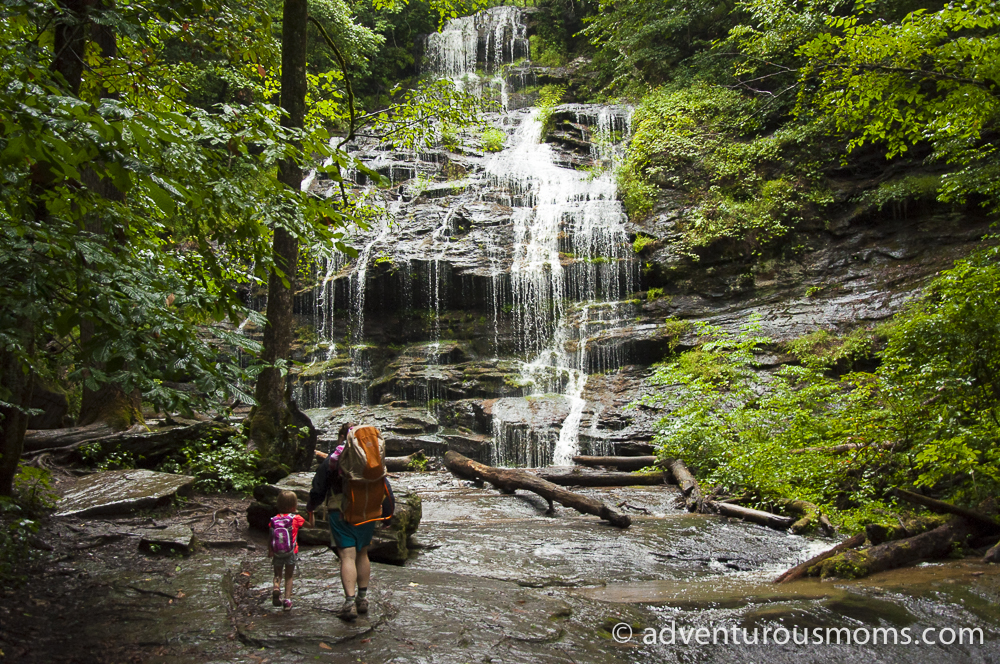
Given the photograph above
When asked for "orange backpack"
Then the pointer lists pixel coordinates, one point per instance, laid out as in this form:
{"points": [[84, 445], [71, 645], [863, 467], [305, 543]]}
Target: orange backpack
{"points": [[362, 465]]}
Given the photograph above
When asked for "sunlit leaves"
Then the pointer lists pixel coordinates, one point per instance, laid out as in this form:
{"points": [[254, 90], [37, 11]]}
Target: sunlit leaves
{"points": [[932, 77]]}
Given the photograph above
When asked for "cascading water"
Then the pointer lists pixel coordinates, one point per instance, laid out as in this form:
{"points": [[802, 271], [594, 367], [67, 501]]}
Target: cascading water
{"points": [[558, 265], [492, 38], [560, 214]]}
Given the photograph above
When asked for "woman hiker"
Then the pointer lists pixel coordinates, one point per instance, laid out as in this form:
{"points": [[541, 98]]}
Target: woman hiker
{"points": [[352, 541]]}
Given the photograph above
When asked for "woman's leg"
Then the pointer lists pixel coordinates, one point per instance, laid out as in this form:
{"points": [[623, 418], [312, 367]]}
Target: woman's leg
{"points": [[349, 569], [363, 567]]}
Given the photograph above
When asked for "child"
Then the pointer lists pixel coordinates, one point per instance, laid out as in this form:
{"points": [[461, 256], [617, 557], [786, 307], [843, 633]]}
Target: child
{"points": [[283, 546]]}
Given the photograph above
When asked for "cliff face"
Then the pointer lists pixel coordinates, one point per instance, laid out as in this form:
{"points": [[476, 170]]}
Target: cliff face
{"points": [[501, 308]]}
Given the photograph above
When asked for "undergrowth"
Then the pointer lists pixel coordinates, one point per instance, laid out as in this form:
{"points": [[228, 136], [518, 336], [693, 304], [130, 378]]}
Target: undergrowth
{"points": [[925, 419]]}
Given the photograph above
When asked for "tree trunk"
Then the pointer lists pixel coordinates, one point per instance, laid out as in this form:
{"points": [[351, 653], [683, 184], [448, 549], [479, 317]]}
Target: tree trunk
{"points": [[509, 480], [619, 462], [801, 570], [109, 404], [16, 382], [267, 424], [689, 485], [605, 479], [936, 543], [70, 34], [148, 448], [753, 516], [53, 438]]}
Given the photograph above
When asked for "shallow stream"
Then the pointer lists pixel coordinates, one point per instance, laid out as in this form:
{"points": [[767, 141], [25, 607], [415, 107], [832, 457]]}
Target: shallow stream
{"points": [[497, 579]]}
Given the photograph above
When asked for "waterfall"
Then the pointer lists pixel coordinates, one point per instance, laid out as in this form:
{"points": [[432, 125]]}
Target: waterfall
{"points": [[561, 214], [520, 237], [491, 38]]}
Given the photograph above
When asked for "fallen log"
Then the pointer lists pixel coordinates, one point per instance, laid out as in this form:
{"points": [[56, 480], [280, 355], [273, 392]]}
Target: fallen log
{"points": [[948, 508], [394, 464], [147, 447], [802, 569], [753, 516], [45, 439], [809, 515], [993, 555], [689, 485], [619, 462], [605, 479], [935, 543], [509, 480]]}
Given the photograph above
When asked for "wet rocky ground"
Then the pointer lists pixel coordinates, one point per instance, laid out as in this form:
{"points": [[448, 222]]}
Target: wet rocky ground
{"points": [[493, 578]]}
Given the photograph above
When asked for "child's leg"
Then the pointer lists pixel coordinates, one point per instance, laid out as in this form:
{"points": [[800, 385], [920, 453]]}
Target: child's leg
{"points": [[289, 574]]}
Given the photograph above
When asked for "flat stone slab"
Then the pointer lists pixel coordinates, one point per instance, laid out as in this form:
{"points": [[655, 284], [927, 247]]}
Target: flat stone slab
{"points": [[118, 492], [177, 537]]}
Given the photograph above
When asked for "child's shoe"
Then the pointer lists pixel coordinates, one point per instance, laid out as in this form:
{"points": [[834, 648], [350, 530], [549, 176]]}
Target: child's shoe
{"points": [[287, 605], [275, 598], [348, 611], [362, 604]]}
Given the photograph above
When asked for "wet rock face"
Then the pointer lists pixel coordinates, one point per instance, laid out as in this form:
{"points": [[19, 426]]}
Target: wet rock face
{"points": [[122, 492]]}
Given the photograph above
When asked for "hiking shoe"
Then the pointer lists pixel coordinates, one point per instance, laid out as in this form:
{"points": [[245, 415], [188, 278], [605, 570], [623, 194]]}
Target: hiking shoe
{"points": [[287, 605], [362, 604], [348, 611], [275, 598]]}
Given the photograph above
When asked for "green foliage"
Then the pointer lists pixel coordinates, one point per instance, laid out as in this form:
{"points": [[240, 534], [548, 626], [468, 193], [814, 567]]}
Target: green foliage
{"points": [[932, 77], [493, 139], [106, 457], [911, 187], [548, 98], [640, 44], [942, 361], [654, 293], [926, 418], [641, 242], [19, 520], [33, 490], [139, 214], [700, 140], [735, 424], [411, 122], [823, 349], [545, 53], [450, 137], [218, 464]]}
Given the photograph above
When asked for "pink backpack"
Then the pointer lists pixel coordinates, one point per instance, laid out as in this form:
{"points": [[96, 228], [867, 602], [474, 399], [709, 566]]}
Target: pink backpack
{"points": [[282, 541]]}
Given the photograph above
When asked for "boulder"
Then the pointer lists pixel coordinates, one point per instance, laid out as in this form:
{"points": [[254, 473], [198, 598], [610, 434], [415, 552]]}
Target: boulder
{"points": [[119, 492]]}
